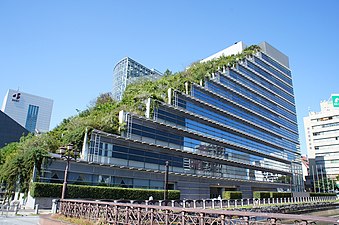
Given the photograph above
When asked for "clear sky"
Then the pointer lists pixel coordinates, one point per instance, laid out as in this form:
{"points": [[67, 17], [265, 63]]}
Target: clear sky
{"points": [[66, 50]]}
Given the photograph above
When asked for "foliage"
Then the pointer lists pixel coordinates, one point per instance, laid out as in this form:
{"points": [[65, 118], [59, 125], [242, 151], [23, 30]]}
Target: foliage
{"points": [[315, 194], [325, 184], [261, 194], [17, 160], [272, 194], [232, 195], [280, 194], [98, 192]]}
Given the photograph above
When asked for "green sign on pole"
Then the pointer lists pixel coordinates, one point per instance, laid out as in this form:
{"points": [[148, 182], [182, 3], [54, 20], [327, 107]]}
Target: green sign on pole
{"points": [[335, 100]]}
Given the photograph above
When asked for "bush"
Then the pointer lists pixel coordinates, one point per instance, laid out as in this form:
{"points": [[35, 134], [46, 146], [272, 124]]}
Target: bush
{"points": [[266, 194], [280, 194], [232, 195], [314, 194], [261, 194], [96, 192]]}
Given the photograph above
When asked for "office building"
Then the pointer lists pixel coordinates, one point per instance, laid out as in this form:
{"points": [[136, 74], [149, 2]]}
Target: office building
{"points": [[127, 71], [10, 131], [238, 131], [30, 111], [322, 138]]}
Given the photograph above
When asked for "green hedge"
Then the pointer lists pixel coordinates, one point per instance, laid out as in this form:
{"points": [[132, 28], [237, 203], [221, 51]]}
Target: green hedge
{"points": [[232, 195], [314, 194], [261, 194], [281, 194], [38, 189], [266, 194]]}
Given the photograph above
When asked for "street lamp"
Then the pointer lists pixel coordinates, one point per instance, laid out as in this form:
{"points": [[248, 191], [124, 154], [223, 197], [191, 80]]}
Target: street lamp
{"points": [[68, 153], [166, 181]]}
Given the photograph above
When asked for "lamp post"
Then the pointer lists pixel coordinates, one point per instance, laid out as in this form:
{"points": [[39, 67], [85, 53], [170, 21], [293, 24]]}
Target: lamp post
{"points": [[68, 153], [166, 181]]}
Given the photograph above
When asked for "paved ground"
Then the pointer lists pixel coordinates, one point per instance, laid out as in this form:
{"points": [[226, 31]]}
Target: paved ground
{"points": [[19, 220], [23, 217]]}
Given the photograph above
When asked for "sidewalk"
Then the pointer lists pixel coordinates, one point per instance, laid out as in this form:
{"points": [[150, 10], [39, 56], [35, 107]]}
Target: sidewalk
{"points": [[24, 212], [23, 217]]}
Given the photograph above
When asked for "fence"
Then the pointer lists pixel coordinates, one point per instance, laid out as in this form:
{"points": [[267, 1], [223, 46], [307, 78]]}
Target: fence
{"points": [[222, 203], [137, 214]]}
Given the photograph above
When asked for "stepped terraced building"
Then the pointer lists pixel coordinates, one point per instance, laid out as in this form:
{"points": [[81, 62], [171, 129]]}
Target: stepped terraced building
{"points": [[237, 131]]}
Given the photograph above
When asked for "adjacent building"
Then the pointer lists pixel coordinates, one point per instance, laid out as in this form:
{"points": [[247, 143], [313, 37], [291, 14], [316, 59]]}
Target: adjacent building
{"points": [[237, 130], [127, 71], [322, 139], [10, 131], [30, 111]]}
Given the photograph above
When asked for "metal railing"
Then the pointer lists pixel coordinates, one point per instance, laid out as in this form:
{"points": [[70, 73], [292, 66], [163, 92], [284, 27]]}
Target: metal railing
{"points": [[217, 203], [137, 214]]}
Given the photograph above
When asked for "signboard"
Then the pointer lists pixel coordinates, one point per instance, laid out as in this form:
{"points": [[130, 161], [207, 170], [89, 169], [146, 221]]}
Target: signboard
{"points": [[16, 97], [335, 100]]}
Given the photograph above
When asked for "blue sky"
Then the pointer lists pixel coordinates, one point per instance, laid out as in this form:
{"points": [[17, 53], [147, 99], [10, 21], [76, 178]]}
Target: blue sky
{"points": [[66, 50]]}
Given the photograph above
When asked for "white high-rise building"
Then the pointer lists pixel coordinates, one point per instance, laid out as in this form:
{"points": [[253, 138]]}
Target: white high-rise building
{"points": [[322, 137], [30, 111]]}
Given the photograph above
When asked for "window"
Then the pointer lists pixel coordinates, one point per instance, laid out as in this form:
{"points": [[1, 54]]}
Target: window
{"points": [[32, 117]]}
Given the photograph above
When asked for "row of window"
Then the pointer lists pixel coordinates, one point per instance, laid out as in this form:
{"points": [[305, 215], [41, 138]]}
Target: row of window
{"points": [[275, 80], [126, 152], [231, 119], [275, 64], [250, 84], [199, 167], [274, 71], [197, 126], [326, 132], [193, 145], [105, 180], [239, 110], [266, 83], [163, 113], [249, 99], [326, 118]]}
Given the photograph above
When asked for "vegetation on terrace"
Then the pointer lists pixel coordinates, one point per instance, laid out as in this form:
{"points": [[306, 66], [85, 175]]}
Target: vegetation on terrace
{"points": [[18, 159]]}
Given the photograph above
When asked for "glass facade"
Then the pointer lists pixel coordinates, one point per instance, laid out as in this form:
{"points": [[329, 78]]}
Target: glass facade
{"points": [[32, 117], [241, 124], [128, 71]]}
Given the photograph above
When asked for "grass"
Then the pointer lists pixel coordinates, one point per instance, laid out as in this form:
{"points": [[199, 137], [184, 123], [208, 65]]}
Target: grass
{"points": [[73, 220]]}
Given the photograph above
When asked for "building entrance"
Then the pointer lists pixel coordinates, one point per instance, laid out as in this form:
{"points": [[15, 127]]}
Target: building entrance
{"points": [[215, 192]]}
